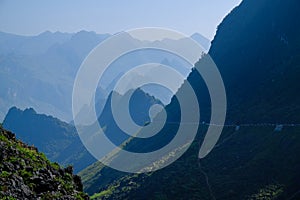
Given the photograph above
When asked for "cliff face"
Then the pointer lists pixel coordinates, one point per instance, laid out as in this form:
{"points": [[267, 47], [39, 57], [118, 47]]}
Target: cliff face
{"points": [[26, 173], [256, 49]]}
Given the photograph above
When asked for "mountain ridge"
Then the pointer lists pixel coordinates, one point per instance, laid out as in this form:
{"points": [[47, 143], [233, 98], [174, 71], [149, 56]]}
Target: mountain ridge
{"points": [[260, 66], [39, 71]]}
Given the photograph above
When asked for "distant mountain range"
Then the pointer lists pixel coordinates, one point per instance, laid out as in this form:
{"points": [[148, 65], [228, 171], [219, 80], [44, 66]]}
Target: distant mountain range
{"points": [[39, 71], [201, 40]]}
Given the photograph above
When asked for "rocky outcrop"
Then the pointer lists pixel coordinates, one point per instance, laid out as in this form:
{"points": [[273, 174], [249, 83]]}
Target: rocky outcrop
{"points": [[26, 173]]}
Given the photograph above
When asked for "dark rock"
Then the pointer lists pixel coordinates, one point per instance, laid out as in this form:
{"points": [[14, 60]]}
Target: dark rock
{"points": [[10, 135], [78, 183], [69, 169], [36, 179], [61, 172], [7, 166], [29, 169]]}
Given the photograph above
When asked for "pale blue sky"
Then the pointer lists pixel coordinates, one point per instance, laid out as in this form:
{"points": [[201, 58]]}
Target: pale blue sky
{"points": [[32, 17]]}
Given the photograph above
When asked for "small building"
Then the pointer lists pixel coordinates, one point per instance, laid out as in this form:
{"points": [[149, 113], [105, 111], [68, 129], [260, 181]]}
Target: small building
{"points": [[278, 128]]}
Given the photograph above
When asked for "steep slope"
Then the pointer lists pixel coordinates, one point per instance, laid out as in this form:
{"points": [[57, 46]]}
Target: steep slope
{"points": [[254, 162], [28, 174], [57, 139], [139, 105], [257, 51]]}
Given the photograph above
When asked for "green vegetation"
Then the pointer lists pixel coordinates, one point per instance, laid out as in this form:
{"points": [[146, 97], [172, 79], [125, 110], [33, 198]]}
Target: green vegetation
{"points": [[268, 193], [5, 174], [55, 165], [104, 193], [35, 174], [9, 198], [261, 152]]}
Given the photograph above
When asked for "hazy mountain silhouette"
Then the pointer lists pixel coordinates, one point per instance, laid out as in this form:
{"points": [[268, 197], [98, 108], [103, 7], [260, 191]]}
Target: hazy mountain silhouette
{"points": [[39, 71], [202, 40], [139, 106]]}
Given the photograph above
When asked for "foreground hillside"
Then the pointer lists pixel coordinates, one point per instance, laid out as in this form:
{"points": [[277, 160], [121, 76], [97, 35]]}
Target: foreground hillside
{"points": [[26, 173]]}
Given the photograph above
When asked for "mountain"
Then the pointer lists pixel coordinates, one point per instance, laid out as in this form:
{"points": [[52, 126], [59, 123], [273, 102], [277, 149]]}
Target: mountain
{"points": [[25, 173], [31, 45], [39, 71], [259, 62], [256, 49], [58, 140], [139, 105], [201, 40]]}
